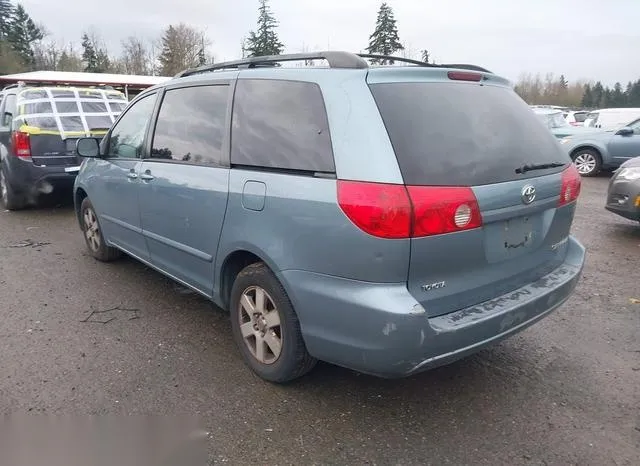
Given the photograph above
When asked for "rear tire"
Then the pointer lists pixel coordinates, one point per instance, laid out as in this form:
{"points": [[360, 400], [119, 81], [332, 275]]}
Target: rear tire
{"points": [[8, 196], [587, 161], [266, 328], [93, 234]]}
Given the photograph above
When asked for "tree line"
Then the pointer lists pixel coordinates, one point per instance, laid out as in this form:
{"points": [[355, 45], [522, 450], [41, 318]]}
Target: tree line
{"points": [[27, 46], [556, 90]]}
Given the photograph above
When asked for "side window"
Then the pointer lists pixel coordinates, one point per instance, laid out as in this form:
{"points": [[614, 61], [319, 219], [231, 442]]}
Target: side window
{"points": [[281, 124], [127, 136], [9, 109], [190, 126]]}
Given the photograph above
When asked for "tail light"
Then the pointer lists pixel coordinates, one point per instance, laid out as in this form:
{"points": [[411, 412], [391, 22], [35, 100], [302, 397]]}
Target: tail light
{"points": [[396, 211], [382, 210], [21, 145], [570, 188], [438, 210]]}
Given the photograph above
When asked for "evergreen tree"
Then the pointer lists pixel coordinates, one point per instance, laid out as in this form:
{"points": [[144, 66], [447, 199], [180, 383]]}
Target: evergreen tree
{"points": [[22, 35], [6, 15], [598, 93], [425, 56], [103, 62], [617, 96], [264, 41], [607, 98], [587, 97], [89, 55], [562, 82], [633, 98], [385, 39]]}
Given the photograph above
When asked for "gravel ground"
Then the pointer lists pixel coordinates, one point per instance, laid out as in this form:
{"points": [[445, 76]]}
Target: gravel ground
{"points": [[566, 391]]}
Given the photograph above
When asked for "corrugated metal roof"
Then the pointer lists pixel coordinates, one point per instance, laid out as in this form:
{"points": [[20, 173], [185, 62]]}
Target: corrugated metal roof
{"points": [[68, 77]]}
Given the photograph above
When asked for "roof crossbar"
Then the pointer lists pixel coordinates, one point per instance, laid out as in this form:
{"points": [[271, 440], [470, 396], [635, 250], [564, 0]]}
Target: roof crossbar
{"points": [[336, 59], [343, 60]]}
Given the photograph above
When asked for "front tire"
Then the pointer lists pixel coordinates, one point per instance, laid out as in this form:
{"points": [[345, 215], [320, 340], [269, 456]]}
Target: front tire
{"points": [[93, 234], [266, 328], [10, 199], [588, 162]]}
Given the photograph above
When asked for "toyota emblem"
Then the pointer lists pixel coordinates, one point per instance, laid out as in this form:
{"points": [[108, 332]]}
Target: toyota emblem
{"points": [[528, 194]]}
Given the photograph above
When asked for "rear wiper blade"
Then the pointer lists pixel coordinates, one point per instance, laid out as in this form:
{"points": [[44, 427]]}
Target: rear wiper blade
{"points": [[540, 166]]}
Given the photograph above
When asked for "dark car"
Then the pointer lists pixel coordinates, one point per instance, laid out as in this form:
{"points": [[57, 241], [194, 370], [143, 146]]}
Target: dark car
{"points": [[39, 127], [623, 196]]}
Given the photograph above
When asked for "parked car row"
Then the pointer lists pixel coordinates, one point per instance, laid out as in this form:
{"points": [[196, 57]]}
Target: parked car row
{"points": [[572, 117], [365, 216], [596, 149], [611, 144]]}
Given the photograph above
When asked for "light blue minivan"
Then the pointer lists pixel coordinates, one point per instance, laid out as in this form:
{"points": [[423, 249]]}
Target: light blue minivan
{"points": [[386, 219]]}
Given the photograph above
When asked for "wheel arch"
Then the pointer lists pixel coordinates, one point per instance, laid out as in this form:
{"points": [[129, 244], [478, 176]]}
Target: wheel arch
{"points": [[581, 147], [234, 262], [78, 196]]}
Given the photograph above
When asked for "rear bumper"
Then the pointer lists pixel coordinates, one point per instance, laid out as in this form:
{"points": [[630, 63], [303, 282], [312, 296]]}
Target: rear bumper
{"points": [[381, 329], [623, 198], [28, 179]]}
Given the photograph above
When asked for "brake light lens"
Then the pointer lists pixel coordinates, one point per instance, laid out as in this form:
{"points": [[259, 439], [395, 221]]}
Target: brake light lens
{"points": [[382, 210], [438, 210], [570, 187], [395, 212], [464, 76], [21, 145]]}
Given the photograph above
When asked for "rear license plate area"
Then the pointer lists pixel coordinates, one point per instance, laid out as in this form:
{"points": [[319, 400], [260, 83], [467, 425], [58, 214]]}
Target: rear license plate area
{"points": [[509, 239], [517, 233]]}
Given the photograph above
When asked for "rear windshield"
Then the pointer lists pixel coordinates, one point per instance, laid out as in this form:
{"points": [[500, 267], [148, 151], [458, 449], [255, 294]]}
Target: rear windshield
{"points": [[67, 110], [580, 117], [553, 120], [453, 134]]}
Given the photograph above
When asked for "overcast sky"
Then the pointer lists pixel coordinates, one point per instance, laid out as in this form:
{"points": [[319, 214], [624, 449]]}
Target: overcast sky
{"points": [[591, 39]]}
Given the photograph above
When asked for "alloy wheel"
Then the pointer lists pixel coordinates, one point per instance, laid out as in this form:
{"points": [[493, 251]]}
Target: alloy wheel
{"points": [[92, 229], [260, 325], [585, 163]]}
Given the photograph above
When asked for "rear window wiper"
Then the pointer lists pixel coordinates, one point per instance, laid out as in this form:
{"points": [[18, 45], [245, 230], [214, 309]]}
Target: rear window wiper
{"points": [[540, 166]]}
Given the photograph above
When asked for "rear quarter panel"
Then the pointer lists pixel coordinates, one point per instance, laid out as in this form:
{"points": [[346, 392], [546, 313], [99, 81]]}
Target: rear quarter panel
{"points": [[301, 227]]}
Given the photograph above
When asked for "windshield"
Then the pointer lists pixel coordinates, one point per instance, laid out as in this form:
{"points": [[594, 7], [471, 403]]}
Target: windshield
{"points": [[463, 135]]}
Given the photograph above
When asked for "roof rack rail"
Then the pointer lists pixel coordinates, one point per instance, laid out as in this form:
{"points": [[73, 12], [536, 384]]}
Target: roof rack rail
{"points": [[345, 60], [394, 59], [421, 63]]}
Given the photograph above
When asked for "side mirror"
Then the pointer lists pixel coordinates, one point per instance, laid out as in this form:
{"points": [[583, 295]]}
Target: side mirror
{"points": [[88, 147], [6, 118], [626, 131]]}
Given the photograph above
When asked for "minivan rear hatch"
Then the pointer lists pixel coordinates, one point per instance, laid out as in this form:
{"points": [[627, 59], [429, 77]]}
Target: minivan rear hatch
{"points": [[492, 191]]}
